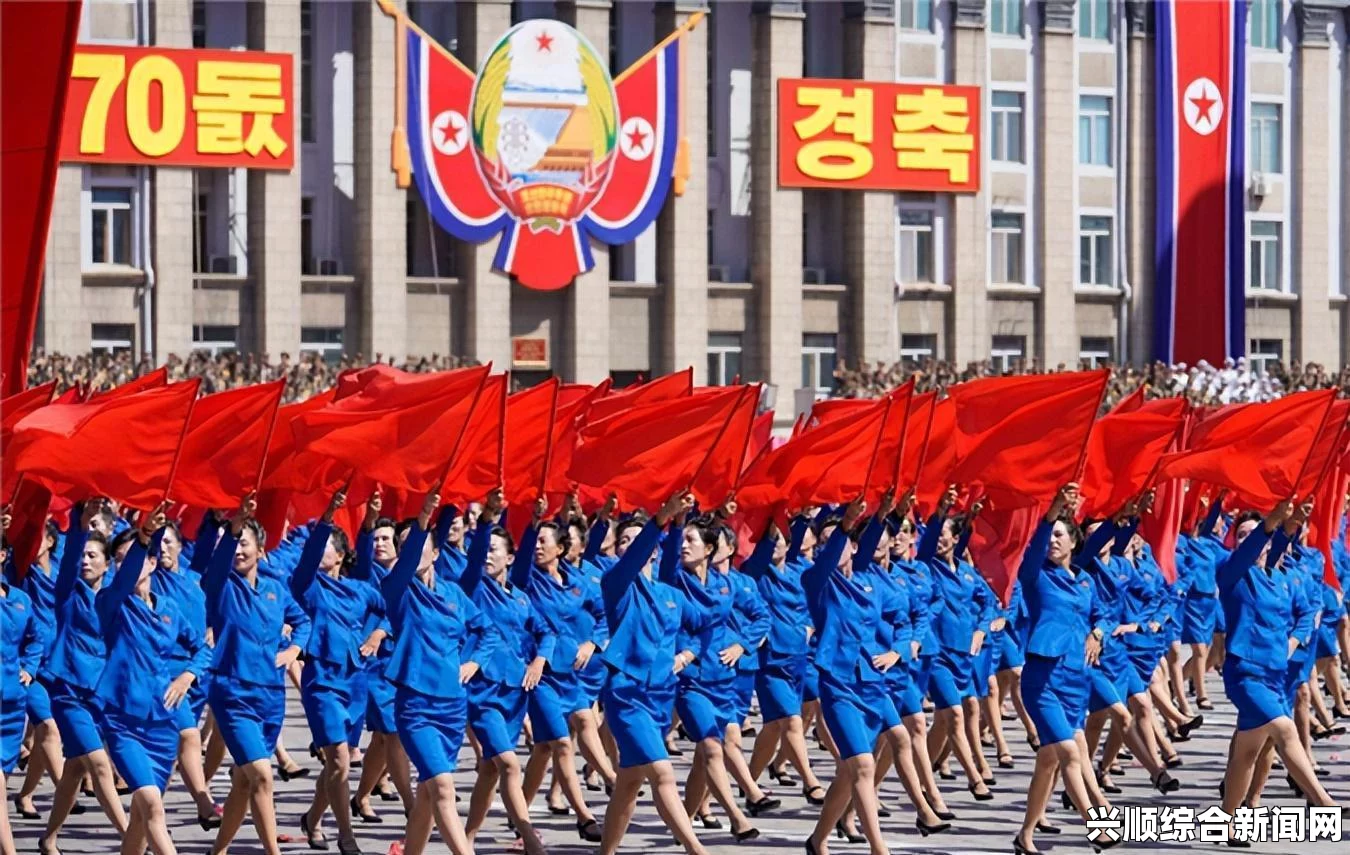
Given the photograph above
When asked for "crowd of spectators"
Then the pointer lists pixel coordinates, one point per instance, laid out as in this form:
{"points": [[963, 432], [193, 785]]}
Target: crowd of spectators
{"points": [[1202, 383]]}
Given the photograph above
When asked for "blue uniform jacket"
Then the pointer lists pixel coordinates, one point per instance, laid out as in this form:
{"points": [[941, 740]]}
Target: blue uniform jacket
{"points": [[927, 596], [20, 643], [1060, 604], [749, 617], [522, 633], [78, 652], [572, 608], [716, 598], [247, 620], [844, 609], [785, 600], [965, 604], [343, 612], [1258, 605]]}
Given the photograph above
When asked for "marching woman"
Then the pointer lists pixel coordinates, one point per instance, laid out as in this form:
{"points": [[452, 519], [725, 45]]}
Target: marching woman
{"points": [[141, 684], [73, 672], [39, 583], [646, 618], [20, 654], [249, 612], [346, 619], [961, 626], [567, 599], [1200, 555], [498, 692], [705, 697], [439, 637], [1064, 640]]}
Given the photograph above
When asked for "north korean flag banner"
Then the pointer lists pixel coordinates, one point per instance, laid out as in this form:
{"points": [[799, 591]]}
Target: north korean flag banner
{"points": [[540, 146], [1200, 276]]}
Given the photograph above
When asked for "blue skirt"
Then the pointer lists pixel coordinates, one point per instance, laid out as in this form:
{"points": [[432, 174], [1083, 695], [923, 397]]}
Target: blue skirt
{"points": [[854, 711], [79, 719], [188, 714], [1008, 653], [982, 668], [380, 703], [745, 694], [706, 708], [1258, 693], [921, 670], [496, 714], [360, 696], [552, 703], [951, 679], [1056, 697], [143, 751], [903, 691], [12, 720], [1199, 618], [638, 716], [779, 688], [431, 730], [328, 708], [38, 703], [249, 717]]}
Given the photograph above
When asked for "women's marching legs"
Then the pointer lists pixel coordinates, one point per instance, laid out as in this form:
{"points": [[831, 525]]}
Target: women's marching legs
{"points": [[503, 769], [97, 765], [147, 825], [666, 795]]}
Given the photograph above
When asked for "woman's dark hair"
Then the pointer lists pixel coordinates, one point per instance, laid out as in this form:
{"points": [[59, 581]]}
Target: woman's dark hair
{"points": [[403, 527], [259, 533], [960, 522], [562, 535], [343, 545], [634, 521], [498, 531], [386, 522], [123, 537], [1248, 516], [52, 530], [825, 521], [706, 533], [1071, 526], [102, 541]]}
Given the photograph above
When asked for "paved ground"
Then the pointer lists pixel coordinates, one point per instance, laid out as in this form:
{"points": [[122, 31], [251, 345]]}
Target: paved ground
{"points": [[984, 827]]}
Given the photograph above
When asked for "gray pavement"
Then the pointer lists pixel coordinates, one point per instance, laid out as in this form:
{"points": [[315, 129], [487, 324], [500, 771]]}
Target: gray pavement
{"points": [[981, 827]]}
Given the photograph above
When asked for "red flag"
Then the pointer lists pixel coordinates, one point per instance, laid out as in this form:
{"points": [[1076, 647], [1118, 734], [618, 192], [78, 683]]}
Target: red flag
{"points": [[917, 440], [399, 429], [122, 446], [1326, 451], [227, 437], [1123, 451], [14, 409], [573, 414], [1024, 436], [998, 539], [155, 379], [531, 426], [652, 450], [939, 456], [476, 466], [678, 385], [721, 469], [1161, 527], [1258, 451], [761, 436], [73, 395], [1328, 510], [287, 468], [1130, 403]]}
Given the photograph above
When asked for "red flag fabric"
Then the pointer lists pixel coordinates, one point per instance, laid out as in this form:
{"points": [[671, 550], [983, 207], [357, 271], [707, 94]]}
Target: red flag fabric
{"points": [[287, 467], [14, 409], [677, 385], [917, 440], [573, 414], [227, 437], [476, 466], [650, 451], [530, 429], [1325, 522], [1162, 525], [155, 379], [939, 458], [1326, 450], [1130, 403], [399, 429], [721, 469], [1258, 451], [73, 395], [833, 409], [761, 436], [1024, 436], [1123, 451], [121, 446], [37, 44], [998, 539]]}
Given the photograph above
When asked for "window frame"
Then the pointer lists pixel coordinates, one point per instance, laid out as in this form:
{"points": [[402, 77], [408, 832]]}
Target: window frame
{"points": [[917, 352], [1096, 234], [107, 344], [904, 231], [1006, 5], [721, 351], [999, 118], [994, 232], [328, 351], [1102, 7], [1006, 356], [307, 131], [913, 7], [214, 346], [1255, 15], [1253, 123], [1096, 356], [1093, 119], [824, 381], [88, 206], [1265, 240], [1257, 359]]}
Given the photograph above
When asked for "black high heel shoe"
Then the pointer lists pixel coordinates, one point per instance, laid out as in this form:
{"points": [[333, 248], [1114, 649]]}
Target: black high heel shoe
{"points": [[1105, 787], [926, 830], [782, 778], [809, 794], [1103, 845], [297, 772], [1047, 828], [843, 834], [24, 814], [365, 816], [352, 848], [319, 843], [559, 811], [1165, 783], [944, 815], [748, 834], [209, 823], [1019, 849], [707, 820], [986, 796], [1066, 801], [763, 806], [589, 831], [1184, 731]]}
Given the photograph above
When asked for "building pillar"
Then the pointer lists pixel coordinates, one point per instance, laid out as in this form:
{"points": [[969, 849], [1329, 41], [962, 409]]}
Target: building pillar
{"points": [[487, 292], [869, 215], [274, 201], [585, 357], [1314, 338], [968, 321], [1141, 186], [171, 199], [64, 324], [682, 230], [1057, 225], [775, 212], [380, 204]]}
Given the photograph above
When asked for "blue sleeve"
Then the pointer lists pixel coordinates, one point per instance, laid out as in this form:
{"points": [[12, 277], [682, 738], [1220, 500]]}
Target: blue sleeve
{"points": [[395, 585], [478, 550], [827, 562], [523, 562], [193, 641], [1215, 508], [202, 546], [220, 566], [1098, 616], [111, 597], [1033, 560], [1235, 567], [752, 606], [1104, 534], [615, 583], [308, 565], [757, 564], [986, 604], [70, 559], [797, 536], [1306, 610], [545, 641], [595, 539], [444, 521], [870, 539], [1279, 545], [928, 542], [963, 542], [670, 555], [1124, 534], [299, 622], [365, 555]]}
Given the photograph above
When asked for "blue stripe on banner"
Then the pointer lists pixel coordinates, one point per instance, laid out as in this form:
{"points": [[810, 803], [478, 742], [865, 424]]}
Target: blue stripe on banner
{"points": [[1237, 188], [1164, 170]]}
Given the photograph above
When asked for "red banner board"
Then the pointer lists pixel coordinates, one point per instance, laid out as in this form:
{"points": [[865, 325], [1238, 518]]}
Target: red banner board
{"points": [[860, 135], [174, 107]]}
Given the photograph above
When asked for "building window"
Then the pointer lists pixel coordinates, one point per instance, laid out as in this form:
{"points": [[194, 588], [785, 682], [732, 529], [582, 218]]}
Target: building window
{"points": [[1266, 256], [307, 70], [1007, 351], [914, 15], [1264, 353], [200, 231], [199, 23], [1094, 130], [112, 338], [819, 352], [1005, 16], [1007, 249], [110, 225], [1005, 114], [1094, 19], [1267, 139], [917, 347], [215, 339], [1265, 30], [916, 246], [1095, 251], [1096, 352], [325, 341], [307, 235], [724, 358]]}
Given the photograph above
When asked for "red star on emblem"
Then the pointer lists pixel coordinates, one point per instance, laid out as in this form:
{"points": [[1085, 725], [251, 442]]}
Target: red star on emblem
{"points": [[637, 139], [452, 133], [545, 42], [1204, 104]]}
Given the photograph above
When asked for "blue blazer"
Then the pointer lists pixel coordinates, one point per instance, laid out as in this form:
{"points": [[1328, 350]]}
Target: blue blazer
{"points": [[846, 611], [965, 604], [1060, 603], [20, 643], [78, 651], [522, 634], [572, 607], [1258, 605], [342, 612], [784, 599]]}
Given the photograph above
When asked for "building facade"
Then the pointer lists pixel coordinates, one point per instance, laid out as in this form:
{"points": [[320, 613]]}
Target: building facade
{"points": [[1051, 260]]}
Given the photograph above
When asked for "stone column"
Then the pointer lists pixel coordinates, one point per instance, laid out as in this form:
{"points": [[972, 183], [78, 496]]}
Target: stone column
{"points": [[585, 357], [1314, 337], [682, 230], [64, 322], [968, 321], [1140, 193], [380, 205], [274, 201], [1057, 228], [171, 199], [775, 212], [869, 215], [487, 293]]}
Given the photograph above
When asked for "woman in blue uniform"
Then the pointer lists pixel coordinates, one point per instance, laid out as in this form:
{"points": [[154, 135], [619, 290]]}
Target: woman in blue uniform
{"points": [[645, 618], [1200, 555], [342, 611], [248, 612], [1065, 639], [439, 638], [73, 672], [141, 685], [498, 693], [44, 757], [20, 654]]}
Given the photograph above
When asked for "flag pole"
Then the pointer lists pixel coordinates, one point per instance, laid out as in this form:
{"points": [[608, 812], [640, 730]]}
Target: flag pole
{"points": [[927, 434], [267, 443], [464, 427], [1331, 403], [900, 452], [187, 420], [1087, 437], [871, 464], [549, 438], [726, 424]]}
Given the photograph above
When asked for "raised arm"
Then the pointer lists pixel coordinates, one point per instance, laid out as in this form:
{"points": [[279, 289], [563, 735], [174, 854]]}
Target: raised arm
{"points": [[307, 567], [111, 597], [870, 539], [671, 545], [1097, 541], [927, 549], [623, 574], [478, 550], [757, 564], [204, 543], [70, 557], [796, 536], [1232, 569]]}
